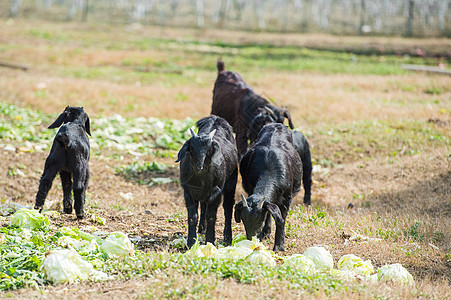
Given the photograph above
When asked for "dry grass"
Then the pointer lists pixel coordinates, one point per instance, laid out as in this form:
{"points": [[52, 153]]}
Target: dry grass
{"points": [[390, 193]]}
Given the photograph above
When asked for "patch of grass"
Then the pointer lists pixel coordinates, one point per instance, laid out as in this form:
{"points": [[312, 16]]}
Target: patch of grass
{"points": [[178, 217], [384, 138], [52, 36], [435, 90], [414, 233]]}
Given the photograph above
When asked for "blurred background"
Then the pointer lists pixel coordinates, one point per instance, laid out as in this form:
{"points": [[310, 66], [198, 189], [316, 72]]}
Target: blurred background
{"points": [[413, 18]]}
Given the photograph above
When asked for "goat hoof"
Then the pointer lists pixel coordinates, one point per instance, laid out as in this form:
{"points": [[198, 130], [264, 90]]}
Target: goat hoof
{"points": [[279, 248], [68, 210], [80, 217], [39, 207]]}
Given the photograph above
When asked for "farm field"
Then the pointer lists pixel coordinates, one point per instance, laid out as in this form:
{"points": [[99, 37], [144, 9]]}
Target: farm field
{"points": [[379, 136]]}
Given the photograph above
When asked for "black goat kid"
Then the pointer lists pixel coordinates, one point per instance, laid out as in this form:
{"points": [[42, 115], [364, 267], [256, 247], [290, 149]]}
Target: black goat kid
{"points": [[69, 157], [271, 171], [209, 169], [301, 145]]}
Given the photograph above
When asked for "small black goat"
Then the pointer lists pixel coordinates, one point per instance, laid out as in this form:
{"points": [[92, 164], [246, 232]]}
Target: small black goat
{"points": [[208, 169], [238, 104], [271, 171], [69, 157], [300, 144]]}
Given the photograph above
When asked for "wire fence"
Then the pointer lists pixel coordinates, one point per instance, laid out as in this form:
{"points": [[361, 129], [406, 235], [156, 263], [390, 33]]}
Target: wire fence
{"points": [[417, 18]]}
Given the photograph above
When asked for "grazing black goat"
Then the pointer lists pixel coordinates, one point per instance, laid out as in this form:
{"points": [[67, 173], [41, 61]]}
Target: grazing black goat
{"points": [[271, 171], [208, 169], [300, 144], [238, 104], [69, 157]]}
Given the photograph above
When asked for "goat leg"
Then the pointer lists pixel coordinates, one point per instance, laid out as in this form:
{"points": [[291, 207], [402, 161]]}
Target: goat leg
{"points": [[79, 195], [202, 221], [280, 237], [80, 184], [45, 184], [280, 228], [307, 176], [266, 231], [66, 182], [229, 202], [191, 206], [212, 209]]}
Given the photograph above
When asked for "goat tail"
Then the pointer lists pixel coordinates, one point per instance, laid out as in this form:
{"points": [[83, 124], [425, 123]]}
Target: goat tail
{"points": [[220, 65]]}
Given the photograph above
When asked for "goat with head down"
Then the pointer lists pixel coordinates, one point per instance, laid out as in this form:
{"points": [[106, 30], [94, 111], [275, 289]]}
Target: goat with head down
{"points": [[69, 157], [300, 143], [208, 170], [238, 104], [271, 171]]}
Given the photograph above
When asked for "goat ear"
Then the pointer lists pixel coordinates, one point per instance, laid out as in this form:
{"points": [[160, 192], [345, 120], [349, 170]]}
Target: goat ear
{"points": [[274, 210], [238, 209], [59, 121], [87, 126], [287, 115], [182, 151]]}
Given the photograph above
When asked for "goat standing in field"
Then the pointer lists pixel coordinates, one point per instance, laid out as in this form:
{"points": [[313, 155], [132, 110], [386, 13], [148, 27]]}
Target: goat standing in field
{"points": [[271, 171], [238, 104], [208, 170], [69, 157]]}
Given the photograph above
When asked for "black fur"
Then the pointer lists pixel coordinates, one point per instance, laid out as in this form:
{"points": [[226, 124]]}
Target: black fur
{"points": [[209, 169], [238, 104], [69, 157], [271, 171]]}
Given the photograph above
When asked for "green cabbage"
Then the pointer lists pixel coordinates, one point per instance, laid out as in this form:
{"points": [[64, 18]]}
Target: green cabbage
{"points": [[67, 266], [255, 244], [28, 218], [396, 273], [118, 244], [233, 253], [262, 257], [300, 263], [351, 262], [321, 258]]}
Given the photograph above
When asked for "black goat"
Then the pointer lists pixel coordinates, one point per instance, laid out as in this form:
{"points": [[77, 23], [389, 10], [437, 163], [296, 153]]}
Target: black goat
{"points": [[69, 157], [300, 144], [208, 169], [238, 104], [271, 171]]}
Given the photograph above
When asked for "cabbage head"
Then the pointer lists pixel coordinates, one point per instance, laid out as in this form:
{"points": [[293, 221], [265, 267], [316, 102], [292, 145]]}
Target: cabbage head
{"points": [[28, 218], [396, 273], [321, 258]]}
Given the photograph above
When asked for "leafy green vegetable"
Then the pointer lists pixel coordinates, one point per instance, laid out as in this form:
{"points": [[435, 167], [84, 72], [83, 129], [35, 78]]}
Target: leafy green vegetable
{"points": [[396, 273], [63, 266], [27, 218], [118, 244], [321, 257]]}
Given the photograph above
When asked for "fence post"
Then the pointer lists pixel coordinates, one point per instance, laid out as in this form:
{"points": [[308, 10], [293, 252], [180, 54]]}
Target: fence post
{"points": [[84, 16], [409, 31], [362, 16], [222, 12]]}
